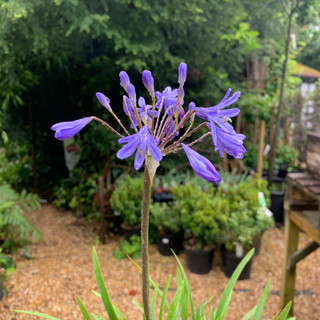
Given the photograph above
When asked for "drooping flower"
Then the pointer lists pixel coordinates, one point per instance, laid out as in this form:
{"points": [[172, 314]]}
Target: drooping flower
{"points": [[68, 129], [201, 165], [148, 81], [105, 101], [140, 141], [230, 142]]}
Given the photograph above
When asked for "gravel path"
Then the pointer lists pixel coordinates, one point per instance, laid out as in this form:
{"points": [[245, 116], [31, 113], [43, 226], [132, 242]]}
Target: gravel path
{"points": [[62, 270]]}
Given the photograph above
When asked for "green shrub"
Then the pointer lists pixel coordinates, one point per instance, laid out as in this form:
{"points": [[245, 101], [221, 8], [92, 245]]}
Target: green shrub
{"points": [[7, 266], [14, 226], [126, 199]]}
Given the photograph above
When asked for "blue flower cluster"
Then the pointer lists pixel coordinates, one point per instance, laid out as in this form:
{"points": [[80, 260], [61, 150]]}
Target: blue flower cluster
{"points": [[157, 125]]}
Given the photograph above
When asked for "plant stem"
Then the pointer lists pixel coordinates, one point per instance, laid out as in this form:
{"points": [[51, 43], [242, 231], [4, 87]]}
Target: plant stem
{"points": [[149, 172]]}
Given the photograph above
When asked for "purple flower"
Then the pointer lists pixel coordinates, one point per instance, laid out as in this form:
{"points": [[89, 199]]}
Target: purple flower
{"points": [[65, 130], [124, 80], [217, 115], [230, 142], [132, 94], [201, 165], [169, 97], [140, 141], [148, 81], [182, 74], [105, 101]]}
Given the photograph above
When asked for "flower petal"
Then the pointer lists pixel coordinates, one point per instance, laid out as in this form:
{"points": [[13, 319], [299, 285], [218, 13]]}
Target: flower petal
{"points": [[201, 165], [105, 101], [182, 74], [65, 130], [148, 81], [127, 150], [140, 155]]}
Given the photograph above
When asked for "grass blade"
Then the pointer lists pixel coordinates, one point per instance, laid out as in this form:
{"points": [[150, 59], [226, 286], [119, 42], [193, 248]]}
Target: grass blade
{"points": [[249, 314], [38, 314], [187, 287], [163, 298], [283, 315], [102, 288], [262, 302], [84, 311], [226, 296]]}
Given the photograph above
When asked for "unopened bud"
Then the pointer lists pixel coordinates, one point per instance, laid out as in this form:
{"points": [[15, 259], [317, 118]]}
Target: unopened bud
{"points": [[105, 101]]}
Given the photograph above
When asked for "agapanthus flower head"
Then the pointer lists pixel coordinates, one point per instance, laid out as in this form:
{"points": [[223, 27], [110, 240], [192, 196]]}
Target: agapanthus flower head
{"points": [[68, 129], [158, 126]]}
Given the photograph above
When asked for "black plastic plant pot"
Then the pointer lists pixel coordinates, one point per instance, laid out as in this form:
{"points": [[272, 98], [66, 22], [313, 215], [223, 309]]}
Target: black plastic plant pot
{"points": [[257, 245], [168, 241], [276, 207], [199, 261], [129, 231], [230, 263]]}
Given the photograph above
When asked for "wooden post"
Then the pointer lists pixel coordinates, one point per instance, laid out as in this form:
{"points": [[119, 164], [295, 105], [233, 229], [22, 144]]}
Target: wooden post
{"points": [[289, 275], [261, 147], [238, 123]]}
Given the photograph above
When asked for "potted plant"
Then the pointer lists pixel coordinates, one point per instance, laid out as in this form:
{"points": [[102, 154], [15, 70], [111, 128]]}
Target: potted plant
{"points": [[126, 202], [202, 224], [248, 218], [285, 158], [167, 219]]}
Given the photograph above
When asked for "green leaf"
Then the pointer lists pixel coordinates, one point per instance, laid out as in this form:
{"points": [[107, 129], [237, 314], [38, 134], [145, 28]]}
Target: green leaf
{"points": [[38, 314], [187, 288], [283, 315], [163, 298], [249, 314], [84, 311], [102, 288], [260, 306], [226, 296]]}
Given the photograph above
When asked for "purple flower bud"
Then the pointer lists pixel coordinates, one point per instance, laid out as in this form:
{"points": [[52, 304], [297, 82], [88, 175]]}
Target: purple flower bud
{"points": [[132, 94], [192, 106], [124, 80], [148, 81], [201, 165], [182, 74], [105, 101], [65, 130]]}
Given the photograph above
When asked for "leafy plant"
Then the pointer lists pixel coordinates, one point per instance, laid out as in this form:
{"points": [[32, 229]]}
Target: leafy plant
{"points": [[77, 194], [126, 199], [285, 157], [182, 306], [202, 214], [7, 266], [166, 217], [246, 219], [14, 226], [131, 248]]}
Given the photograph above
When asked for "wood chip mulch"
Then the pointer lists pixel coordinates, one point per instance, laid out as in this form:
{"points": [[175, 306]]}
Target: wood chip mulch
{"points": [[62, 270]]}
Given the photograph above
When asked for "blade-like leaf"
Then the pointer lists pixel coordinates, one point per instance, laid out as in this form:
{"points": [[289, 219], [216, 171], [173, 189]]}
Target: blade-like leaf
{"points": [[102, 288], [249, 314], [260, 306], [283, 315], [226, 296], [38, 314], [163, 298], [192, 314], [84, 311]]}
